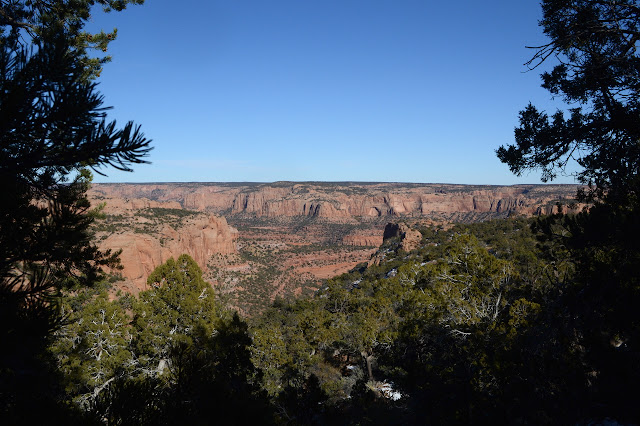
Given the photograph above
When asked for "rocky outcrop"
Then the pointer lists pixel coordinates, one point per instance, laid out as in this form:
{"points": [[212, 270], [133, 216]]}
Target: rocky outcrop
{"points": [[199, 237], [554, 209], [409, 238], [119, 205], [347, 200], [368, 204], [202, 237], [362, 240]]}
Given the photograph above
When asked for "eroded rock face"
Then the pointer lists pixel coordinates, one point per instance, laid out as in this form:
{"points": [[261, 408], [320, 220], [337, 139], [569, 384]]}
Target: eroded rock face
{"points": [[199, 237], [347, 200], [202, 237], [362, 240], [153, 222], [409, 238], [119, 205]]}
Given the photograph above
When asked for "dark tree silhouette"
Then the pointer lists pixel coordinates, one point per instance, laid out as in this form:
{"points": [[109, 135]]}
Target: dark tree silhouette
{"points": [[52, 133], [598, 75], [34, 21]]}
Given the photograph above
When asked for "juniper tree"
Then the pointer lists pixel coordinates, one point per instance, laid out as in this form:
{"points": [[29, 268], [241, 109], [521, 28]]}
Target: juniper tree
{"points": [[178, 311], [598, 76]]}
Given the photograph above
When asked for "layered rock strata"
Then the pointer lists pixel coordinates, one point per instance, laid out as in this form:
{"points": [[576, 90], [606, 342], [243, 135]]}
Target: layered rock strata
{"points": [[147, 241], [348, 200]]}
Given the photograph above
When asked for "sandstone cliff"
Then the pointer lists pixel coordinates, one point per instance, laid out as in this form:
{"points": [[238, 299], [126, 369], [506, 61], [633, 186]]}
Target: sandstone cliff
{"points": [[362, 239], [293, 234], [200, 237], [348, 200], [303, 221]]}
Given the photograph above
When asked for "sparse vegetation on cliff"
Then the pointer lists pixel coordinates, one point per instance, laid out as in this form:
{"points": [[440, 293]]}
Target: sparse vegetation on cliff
{"points": [[513, 320], [446, 332]]}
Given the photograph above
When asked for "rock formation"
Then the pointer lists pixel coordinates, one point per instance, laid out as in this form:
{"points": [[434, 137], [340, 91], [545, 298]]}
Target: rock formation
{"points": [[347, 200], [409, 238], [313, 229], [362, 240], [199, 237]]}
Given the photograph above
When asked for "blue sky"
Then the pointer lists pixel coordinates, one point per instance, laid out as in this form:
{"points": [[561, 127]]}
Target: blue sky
{"points": [[310, 90]]}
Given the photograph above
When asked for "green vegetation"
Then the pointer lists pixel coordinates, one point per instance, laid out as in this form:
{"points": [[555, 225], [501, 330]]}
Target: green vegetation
{"points": [[165, 213], [158, 216], [507, 321], [29, 22], [53, 131], [481, 323], [110, 224], [172, 354], [596, 42], [145, 221], [252, 292]]}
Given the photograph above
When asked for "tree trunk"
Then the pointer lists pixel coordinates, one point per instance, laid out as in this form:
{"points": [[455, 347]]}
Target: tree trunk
{"points": [[368, 358]]}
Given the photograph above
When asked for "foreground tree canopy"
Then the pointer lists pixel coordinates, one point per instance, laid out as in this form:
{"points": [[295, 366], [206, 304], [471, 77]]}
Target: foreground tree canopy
{"points": [[173, 355], [35, 21], [53, 131], [598, 76], [483, 323], [510, 321], [596, 43]]}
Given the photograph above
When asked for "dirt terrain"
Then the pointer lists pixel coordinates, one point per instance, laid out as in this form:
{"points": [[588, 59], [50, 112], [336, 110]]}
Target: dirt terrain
{"points": [[256, 242]]}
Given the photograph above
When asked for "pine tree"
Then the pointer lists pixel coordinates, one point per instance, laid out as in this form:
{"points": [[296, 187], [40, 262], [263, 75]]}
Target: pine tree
{"points": [[35, 21], [53, 132], [179, 311], [598, 76]]}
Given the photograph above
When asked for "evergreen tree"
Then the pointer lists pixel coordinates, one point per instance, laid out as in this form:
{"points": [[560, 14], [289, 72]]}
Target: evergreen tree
{"points": [[37, 21], [596, 43], [53, 131], [93, 348], [190, 359], [179, 311]]}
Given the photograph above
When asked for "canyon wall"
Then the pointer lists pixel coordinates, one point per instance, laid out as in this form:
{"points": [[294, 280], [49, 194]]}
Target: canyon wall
{"points": [[153, 222], [348, 200], [148, 239], [292, 235], [200, 238]]}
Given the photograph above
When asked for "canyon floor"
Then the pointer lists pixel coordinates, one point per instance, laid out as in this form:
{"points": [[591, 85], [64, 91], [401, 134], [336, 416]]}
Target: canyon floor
{"points": [[256, 242], [286, 257]]}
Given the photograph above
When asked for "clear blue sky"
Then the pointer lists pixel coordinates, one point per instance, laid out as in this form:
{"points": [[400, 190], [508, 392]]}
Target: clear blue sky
{"points": [[344, 90]]}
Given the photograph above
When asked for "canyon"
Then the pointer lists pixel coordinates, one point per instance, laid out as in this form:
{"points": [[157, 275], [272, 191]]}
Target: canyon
{"points": [[148, 233], [256, 241], [335, 200]]}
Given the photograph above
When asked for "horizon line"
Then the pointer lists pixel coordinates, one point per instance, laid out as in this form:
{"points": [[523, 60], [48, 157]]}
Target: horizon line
{"points": [[329, 182]]}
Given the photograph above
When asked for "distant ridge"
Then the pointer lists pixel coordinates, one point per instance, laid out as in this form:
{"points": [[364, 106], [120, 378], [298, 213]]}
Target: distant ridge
{"points": [[341, 200]]}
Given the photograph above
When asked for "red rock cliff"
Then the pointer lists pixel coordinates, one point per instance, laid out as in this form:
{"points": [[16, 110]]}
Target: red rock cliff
{"points": [[199, 237], [345, 200]]}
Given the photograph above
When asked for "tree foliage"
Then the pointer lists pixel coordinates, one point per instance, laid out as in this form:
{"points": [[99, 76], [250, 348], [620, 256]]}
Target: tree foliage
{"points": [[35, 21], [178, 311], [94, 348], [52, 128], [511, 321], [172, 355], [598, 75], [485, 323], [53, 132]]}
